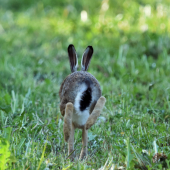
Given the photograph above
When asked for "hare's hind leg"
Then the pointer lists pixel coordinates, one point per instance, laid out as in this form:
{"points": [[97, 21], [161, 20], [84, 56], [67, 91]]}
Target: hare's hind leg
{"points": [[69, 129], [71, 144], [68, 121], [83, 153], [96, 112]]}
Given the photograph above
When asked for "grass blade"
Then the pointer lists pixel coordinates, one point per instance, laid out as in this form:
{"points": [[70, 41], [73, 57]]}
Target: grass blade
{"points": [[42, 156]]}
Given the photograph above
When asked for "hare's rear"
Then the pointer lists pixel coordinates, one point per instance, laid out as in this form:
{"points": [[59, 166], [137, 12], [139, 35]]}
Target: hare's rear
{"points": [[81, 101]]}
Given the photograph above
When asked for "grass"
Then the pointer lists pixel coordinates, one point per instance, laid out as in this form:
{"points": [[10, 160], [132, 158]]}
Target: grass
{"points": [[131, 62]]}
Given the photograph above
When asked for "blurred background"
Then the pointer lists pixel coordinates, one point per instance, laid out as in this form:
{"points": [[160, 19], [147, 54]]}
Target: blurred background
{"points": [[105, 24], [42, 31], [36, 34]]}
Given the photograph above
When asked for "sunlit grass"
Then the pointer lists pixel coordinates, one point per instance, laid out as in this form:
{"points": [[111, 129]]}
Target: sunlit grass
{"points": [[131, 61]]}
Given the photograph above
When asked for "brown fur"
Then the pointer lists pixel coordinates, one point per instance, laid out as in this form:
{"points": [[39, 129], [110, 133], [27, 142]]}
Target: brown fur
{"points": [[69, 127], [68, 121], [69, 89], [71, 152], [83, 153], [96, 112]]}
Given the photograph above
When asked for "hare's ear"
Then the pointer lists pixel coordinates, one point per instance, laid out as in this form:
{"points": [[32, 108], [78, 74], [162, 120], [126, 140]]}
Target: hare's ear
{"points": [[73, 58], [86, 58]]}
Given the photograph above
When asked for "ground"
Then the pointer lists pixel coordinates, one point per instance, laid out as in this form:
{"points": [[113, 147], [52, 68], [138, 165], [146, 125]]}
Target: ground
{"points": [[131, 61]]}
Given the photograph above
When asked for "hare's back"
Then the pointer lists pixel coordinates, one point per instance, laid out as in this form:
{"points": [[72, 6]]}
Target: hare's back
{"points": [[82, 89]]}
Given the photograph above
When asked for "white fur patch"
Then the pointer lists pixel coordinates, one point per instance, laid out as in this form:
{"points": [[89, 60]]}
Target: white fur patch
{"points": [[78, 97], [80, 117]]}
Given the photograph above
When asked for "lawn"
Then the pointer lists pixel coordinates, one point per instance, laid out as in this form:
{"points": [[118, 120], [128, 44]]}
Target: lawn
{"points": [[131, 60]]}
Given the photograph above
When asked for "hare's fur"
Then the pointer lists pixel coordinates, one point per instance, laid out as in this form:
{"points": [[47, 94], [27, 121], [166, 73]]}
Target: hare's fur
{"points": [[81, 101], [69, 126], [71, 91]]}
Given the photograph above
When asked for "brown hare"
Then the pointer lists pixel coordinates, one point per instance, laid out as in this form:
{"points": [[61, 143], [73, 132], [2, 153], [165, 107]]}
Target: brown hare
{"points": [[80, 100]]}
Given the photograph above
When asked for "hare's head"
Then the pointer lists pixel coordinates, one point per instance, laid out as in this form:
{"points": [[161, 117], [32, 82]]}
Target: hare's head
{"points": [[87, 55]]}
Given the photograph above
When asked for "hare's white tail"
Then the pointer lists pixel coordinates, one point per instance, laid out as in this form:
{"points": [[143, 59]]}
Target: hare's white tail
{"points": [[82, 104]]}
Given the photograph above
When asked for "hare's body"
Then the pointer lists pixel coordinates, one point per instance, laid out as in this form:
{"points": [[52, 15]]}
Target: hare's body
{"points": [[82, 90], [80, 100]]}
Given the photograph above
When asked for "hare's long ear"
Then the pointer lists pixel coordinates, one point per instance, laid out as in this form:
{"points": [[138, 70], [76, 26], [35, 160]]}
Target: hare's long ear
{"points": [[73, 58], [86, 58]]}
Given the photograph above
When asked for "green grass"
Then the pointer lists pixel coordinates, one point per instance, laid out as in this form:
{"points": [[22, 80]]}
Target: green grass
{"points": [[131, 61]]}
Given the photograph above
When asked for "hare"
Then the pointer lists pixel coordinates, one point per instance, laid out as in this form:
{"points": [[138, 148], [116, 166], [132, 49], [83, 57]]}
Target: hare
{"points": [[80, 100]]}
